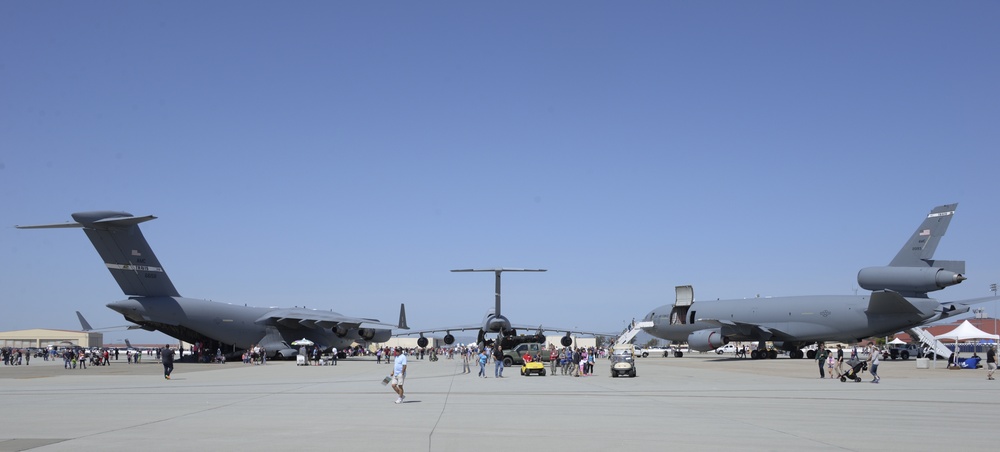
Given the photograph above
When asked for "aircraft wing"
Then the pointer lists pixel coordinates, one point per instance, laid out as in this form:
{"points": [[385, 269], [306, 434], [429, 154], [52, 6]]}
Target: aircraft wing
{"points": [[297, 318], [749, 330], [475, 327], [525, 328], [542, 329], [85, 325], [953, 308]]}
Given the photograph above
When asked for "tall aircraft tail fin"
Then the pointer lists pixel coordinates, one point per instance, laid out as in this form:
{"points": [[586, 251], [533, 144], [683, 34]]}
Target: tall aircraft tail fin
{"points": [[918, 251], [118, 240], [402, 318], [913, 272]]}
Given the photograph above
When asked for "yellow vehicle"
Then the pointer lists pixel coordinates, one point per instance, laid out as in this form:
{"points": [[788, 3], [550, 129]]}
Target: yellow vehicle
{"points": [[533, 367]]}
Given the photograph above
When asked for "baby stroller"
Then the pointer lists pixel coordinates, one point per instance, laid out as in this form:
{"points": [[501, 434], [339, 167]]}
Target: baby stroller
{"points": [[856, 367]]}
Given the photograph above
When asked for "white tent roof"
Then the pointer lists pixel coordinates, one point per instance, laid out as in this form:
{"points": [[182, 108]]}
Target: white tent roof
{"points": [[897, 341], [966, 331]]}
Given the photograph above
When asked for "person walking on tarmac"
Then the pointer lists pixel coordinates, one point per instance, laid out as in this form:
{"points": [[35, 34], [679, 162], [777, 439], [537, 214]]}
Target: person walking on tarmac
{"points": [[167, 356], [498, 360], [991, 362], [821, 354], [399, 373]]}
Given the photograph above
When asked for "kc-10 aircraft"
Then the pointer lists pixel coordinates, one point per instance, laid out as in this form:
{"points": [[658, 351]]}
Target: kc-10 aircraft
{"points": [[898, 301], [155, 305]]}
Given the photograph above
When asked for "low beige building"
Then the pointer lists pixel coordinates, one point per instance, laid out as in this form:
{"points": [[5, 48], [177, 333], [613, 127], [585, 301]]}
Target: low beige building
{"points": [[42, 338]]}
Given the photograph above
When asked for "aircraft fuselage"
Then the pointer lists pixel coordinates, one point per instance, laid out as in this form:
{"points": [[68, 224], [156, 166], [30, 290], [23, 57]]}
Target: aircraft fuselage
{"points": [[195, 320], [801, 319]]}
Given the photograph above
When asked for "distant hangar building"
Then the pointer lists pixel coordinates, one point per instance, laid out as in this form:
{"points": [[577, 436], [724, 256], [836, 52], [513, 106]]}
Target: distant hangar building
{"points": [[42, 338]]}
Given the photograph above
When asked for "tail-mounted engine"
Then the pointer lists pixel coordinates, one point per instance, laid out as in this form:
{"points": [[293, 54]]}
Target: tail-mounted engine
{"points": [[908, 279]]}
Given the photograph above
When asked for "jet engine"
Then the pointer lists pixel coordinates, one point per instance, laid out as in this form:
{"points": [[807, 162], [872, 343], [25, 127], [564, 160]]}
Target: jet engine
{"points": [[566, 341], [340, 330], [374, 334], [422, 342], [705, 340], [908, 279], [449, 339]]}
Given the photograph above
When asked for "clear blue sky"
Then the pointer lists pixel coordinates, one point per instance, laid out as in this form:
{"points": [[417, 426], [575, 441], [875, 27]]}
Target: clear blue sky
{"points": [[346, 155]]}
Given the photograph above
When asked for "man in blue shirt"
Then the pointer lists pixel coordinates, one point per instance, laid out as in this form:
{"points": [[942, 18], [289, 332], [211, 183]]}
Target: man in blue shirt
{"points": [[399, 373]]}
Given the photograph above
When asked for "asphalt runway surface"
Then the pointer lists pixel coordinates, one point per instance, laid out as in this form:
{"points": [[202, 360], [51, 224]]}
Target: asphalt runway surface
{"points": [[697, 402]]}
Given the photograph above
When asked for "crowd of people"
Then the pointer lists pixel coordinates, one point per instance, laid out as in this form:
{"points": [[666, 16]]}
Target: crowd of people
{"points": [[562, 361], [73, 357]]}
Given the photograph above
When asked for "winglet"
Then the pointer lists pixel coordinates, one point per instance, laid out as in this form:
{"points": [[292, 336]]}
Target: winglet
{"points": [[83, 322], [402, 318]]}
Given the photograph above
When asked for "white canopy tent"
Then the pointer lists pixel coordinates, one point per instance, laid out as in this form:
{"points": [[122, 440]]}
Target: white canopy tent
{"points": [[897, 341], [964, 332]]}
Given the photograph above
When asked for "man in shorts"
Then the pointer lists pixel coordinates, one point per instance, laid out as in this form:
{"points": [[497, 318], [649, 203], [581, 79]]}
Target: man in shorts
{"points": [[399, 373]]}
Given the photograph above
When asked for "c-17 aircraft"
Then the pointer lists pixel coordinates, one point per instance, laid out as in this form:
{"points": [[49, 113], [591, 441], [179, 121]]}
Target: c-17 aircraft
{"points": [[898, 301], [495, 322], [155, 305]]}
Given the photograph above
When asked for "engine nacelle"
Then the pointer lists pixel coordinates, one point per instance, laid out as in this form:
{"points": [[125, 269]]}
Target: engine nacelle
{"points": [[340, 330], [422, 342], [705, 340], [374, 334], [908, 279], [449, 339], [566, 341]]}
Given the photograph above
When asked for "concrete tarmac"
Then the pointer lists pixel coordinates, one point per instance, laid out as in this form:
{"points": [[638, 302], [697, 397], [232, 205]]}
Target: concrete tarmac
{"points": [[697, 402]]}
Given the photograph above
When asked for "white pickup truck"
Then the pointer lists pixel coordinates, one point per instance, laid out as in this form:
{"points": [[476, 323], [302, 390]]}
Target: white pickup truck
{"points": [[728, 348], [655, 351]]}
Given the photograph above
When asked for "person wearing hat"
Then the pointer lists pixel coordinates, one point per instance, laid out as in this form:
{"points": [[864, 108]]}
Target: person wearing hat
{"points": [[399, 373]]}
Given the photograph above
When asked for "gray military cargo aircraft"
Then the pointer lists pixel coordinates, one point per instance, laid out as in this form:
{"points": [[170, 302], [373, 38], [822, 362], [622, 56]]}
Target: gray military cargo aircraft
{"points": [[898, 301], [495, 322], [155, 305]]}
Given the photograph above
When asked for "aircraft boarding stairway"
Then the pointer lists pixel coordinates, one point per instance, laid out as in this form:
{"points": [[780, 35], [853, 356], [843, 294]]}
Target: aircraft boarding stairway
{"points": [[632, 330], [926, 338]]}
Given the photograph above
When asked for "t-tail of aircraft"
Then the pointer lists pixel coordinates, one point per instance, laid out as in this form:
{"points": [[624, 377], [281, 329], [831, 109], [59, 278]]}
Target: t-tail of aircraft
{"points": [[118, 240], [913, 272]]}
